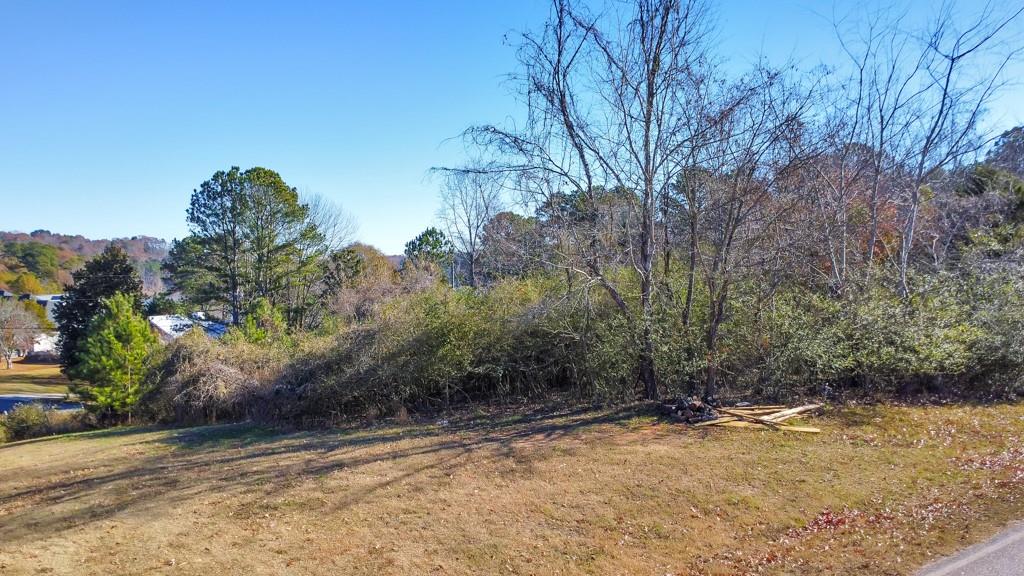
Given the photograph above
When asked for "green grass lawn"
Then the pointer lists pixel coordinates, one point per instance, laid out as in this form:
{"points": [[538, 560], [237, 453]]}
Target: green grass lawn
{"points": [[33, 379]]}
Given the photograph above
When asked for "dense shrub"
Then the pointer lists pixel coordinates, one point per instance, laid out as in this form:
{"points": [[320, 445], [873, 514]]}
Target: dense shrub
{"points": [[24, 421], [440, 347], [953, 338], [998, 358], [521, 339], [27, 421], [201, 380]]}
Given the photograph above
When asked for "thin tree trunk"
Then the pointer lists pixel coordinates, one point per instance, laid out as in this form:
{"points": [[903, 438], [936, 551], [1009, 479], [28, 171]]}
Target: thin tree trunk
{"points": [[648, 374], [908, 241], [717, 310], [691, 274], [869, 257], [235, 301]]}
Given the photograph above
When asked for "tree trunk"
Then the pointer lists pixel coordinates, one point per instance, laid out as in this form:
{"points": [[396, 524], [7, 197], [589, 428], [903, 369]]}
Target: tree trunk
{"points": [[235, 302], [908, 241], [647, 370], [717, 311], [873, 206], [648, 374], [667, 270], [691, 275]]}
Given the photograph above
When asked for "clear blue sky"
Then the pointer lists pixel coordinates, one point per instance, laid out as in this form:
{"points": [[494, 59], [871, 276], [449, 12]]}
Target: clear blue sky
{"points": [[112, 112]]}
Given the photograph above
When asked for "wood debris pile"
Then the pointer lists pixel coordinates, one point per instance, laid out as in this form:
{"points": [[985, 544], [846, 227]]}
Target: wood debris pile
{"points": [[696, 413]]}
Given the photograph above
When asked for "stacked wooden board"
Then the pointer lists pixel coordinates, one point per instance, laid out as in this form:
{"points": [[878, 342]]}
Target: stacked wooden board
{"points": [[765, 417], [697, 413]]}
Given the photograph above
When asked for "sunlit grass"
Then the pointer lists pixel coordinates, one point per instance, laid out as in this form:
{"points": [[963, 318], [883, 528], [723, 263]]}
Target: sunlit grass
{"points": [[26, 378]]}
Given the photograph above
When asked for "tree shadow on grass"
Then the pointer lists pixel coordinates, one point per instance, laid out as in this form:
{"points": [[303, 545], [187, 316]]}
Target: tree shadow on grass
{"points": [[256, 462], [33, 378]]}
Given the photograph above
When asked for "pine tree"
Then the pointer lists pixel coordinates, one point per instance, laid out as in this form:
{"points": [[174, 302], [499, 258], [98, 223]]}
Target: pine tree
{"points": [[251, 238], [102, 277], [431, 245], [114, 357]]}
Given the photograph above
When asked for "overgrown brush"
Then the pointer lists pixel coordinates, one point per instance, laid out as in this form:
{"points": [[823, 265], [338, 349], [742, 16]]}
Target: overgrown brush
{"points": [[526, 339], [957, 338], [443, 347], [201, 380]]}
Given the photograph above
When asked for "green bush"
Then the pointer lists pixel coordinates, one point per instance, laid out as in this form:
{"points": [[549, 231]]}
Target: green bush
{"points": [[872, 340], [430, 350], [27, 421]]}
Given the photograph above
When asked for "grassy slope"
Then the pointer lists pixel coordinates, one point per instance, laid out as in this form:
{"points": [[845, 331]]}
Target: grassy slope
{"points": [[32, 379], [880, 491]]}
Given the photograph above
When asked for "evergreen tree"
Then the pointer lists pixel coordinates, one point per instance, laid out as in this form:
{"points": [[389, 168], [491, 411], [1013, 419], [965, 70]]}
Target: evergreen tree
{"points": [[102, 277], [210, 264], [192, 273], [114, 356], [262, 322], [251, 238], [431, 245]]}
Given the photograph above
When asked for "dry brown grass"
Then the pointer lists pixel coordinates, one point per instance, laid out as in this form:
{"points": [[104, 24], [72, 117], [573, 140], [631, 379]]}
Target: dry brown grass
{"points": [[880, 491], [29, 378]]}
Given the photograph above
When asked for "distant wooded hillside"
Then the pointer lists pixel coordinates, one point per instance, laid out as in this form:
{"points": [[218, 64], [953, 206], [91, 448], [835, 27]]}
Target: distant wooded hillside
{"points": [[42, 262]]}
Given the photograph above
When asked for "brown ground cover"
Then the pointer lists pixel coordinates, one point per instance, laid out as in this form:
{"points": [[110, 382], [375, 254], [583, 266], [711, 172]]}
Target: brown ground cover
{"points": [[882, 490]]}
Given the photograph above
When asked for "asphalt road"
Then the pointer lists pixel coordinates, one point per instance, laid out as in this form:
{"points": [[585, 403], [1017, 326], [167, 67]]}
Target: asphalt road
{"points": [[55, 401], [1003, 555]]}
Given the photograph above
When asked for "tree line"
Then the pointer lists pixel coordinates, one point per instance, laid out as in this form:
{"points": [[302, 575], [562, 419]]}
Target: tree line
{"points": [[657, 225], [641, 153], [253, 239]]}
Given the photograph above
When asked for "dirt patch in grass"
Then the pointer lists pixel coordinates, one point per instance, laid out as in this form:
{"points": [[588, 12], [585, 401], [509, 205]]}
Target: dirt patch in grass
{"points": [[29, 378], [879, 491]]}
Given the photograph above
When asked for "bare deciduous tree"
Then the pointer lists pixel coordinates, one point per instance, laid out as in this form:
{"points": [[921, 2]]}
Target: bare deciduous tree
{"points": [[606, 110], [469, 199], [18, 329], [335, 229], [925, 94], [752, 175]]}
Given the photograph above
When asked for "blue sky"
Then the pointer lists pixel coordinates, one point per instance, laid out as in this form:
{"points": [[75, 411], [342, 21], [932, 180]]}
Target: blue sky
{"points": [[111, 113]]}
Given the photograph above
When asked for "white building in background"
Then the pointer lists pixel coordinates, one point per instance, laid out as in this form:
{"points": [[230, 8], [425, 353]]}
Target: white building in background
{"points": [[44, 347]]}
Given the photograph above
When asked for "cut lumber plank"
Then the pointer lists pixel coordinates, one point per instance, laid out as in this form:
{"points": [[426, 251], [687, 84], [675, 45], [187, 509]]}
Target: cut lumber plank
{"points": [[810, 429], [786, 414], [784, 417], [721, 420], [749, 417], [764, 412], [744, 424]]}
